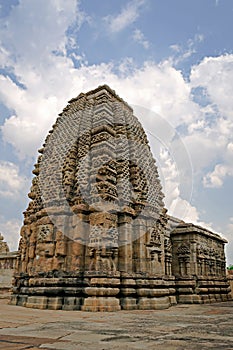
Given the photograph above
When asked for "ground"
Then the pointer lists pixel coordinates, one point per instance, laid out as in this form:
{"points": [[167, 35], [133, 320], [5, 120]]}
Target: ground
{"points": [[180, 327]]}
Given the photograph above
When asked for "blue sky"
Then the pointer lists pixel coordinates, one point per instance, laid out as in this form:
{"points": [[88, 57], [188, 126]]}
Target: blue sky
{"points": [[171, 60]]}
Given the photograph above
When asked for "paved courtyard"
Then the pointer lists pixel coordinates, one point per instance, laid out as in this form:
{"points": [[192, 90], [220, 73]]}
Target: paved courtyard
{"points": [[208, 326]]}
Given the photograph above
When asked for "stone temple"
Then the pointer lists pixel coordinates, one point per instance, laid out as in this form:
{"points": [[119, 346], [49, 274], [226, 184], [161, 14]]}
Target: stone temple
{"points": [[96, 234]]}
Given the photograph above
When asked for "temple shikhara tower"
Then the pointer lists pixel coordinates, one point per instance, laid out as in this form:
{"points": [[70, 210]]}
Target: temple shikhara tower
{"points": [[96, 234]]}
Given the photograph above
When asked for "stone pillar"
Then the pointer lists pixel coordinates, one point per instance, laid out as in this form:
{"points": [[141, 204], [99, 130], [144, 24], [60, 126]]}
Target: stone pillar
{"points": [[79, 235], [125, 244], [188, 267], [140, 253]]}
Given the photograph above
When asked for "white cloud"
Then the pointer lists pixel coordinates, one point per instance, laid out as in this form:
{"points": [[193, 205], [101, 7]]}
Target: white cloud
{"points": [[139, 37], [181, 53], [177, 200], [171, 175], [183, 210], [230, 148], [162, 89], [11, 232], [215, 179], [12, 184], [215, 74], [33, 35], [204, 149], [175, 47], [209, 138], [228, 233], [126, 17], [43, 22]]}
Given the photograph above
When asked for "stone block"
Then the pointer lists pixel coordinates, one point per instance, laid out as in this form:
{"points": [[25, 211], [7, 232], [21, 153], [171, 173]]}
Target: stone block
{"points": [[55, 303], [128, 282], [105, 281], [146, 292], [185, 290], [205, 298], [224, 297], [160, 303], [128, 303], [172, 300], [13, 299], [153, 303], [22, 300], [72, 303], [187, 299], [197, 299], [202, 290], [128, 291], [218, 297], [101, 304], [172, 290], [37, 302], [144, 303], [101, 291]]}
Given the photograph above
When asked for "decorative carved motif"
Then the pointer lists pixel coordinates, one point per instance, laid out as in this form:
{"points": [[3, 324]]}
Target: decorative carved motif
{"points": [[44, 232], [3, 245], [103, 259], [183, 250]]}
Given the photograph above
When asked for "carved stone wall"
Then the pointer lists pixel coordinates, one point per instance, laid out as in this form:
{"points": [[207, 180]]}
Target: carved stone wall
{"points": [[7, 266], [7, 258], [199, 264], [3, 245]]}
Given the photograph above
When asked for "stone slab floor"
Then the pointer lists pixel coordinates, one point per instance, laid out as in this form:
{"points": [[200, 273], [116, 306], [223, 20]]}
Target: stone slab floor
{"points": [[182, 327]]}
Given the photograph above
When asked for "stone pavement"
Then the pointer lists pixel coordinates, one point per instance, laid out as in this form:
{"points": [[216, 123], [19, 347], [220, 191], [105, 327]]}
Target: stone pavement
{"points": [[182, 327]]}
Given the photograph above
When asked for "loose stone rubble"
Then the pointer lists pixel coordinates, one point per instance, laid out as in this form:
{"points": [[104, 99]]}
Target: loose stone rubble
{"points": [[96, 234]]}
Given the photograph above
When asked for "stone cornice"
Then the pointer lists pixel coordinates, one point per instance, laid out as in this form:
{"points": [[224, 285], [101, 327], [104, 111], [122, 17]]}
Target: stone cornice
{"points": [[184, 228]]}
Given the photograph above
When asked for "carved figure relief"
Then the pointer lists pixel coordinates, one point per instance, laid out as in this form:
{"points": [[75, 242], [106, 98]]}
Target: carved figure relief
{"points": [[183, 253]]}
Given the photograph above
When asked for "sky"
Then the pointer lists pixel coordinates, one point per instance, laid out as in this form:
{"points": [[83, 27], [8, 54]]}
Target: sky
{"points": [[171, 60]]}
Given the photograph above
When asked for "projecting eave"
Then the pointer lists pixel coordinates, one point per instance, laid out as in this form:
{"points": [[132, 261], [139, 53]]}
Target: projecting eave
{"points": [[184, 228], [9, 255], [173, 221]]}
